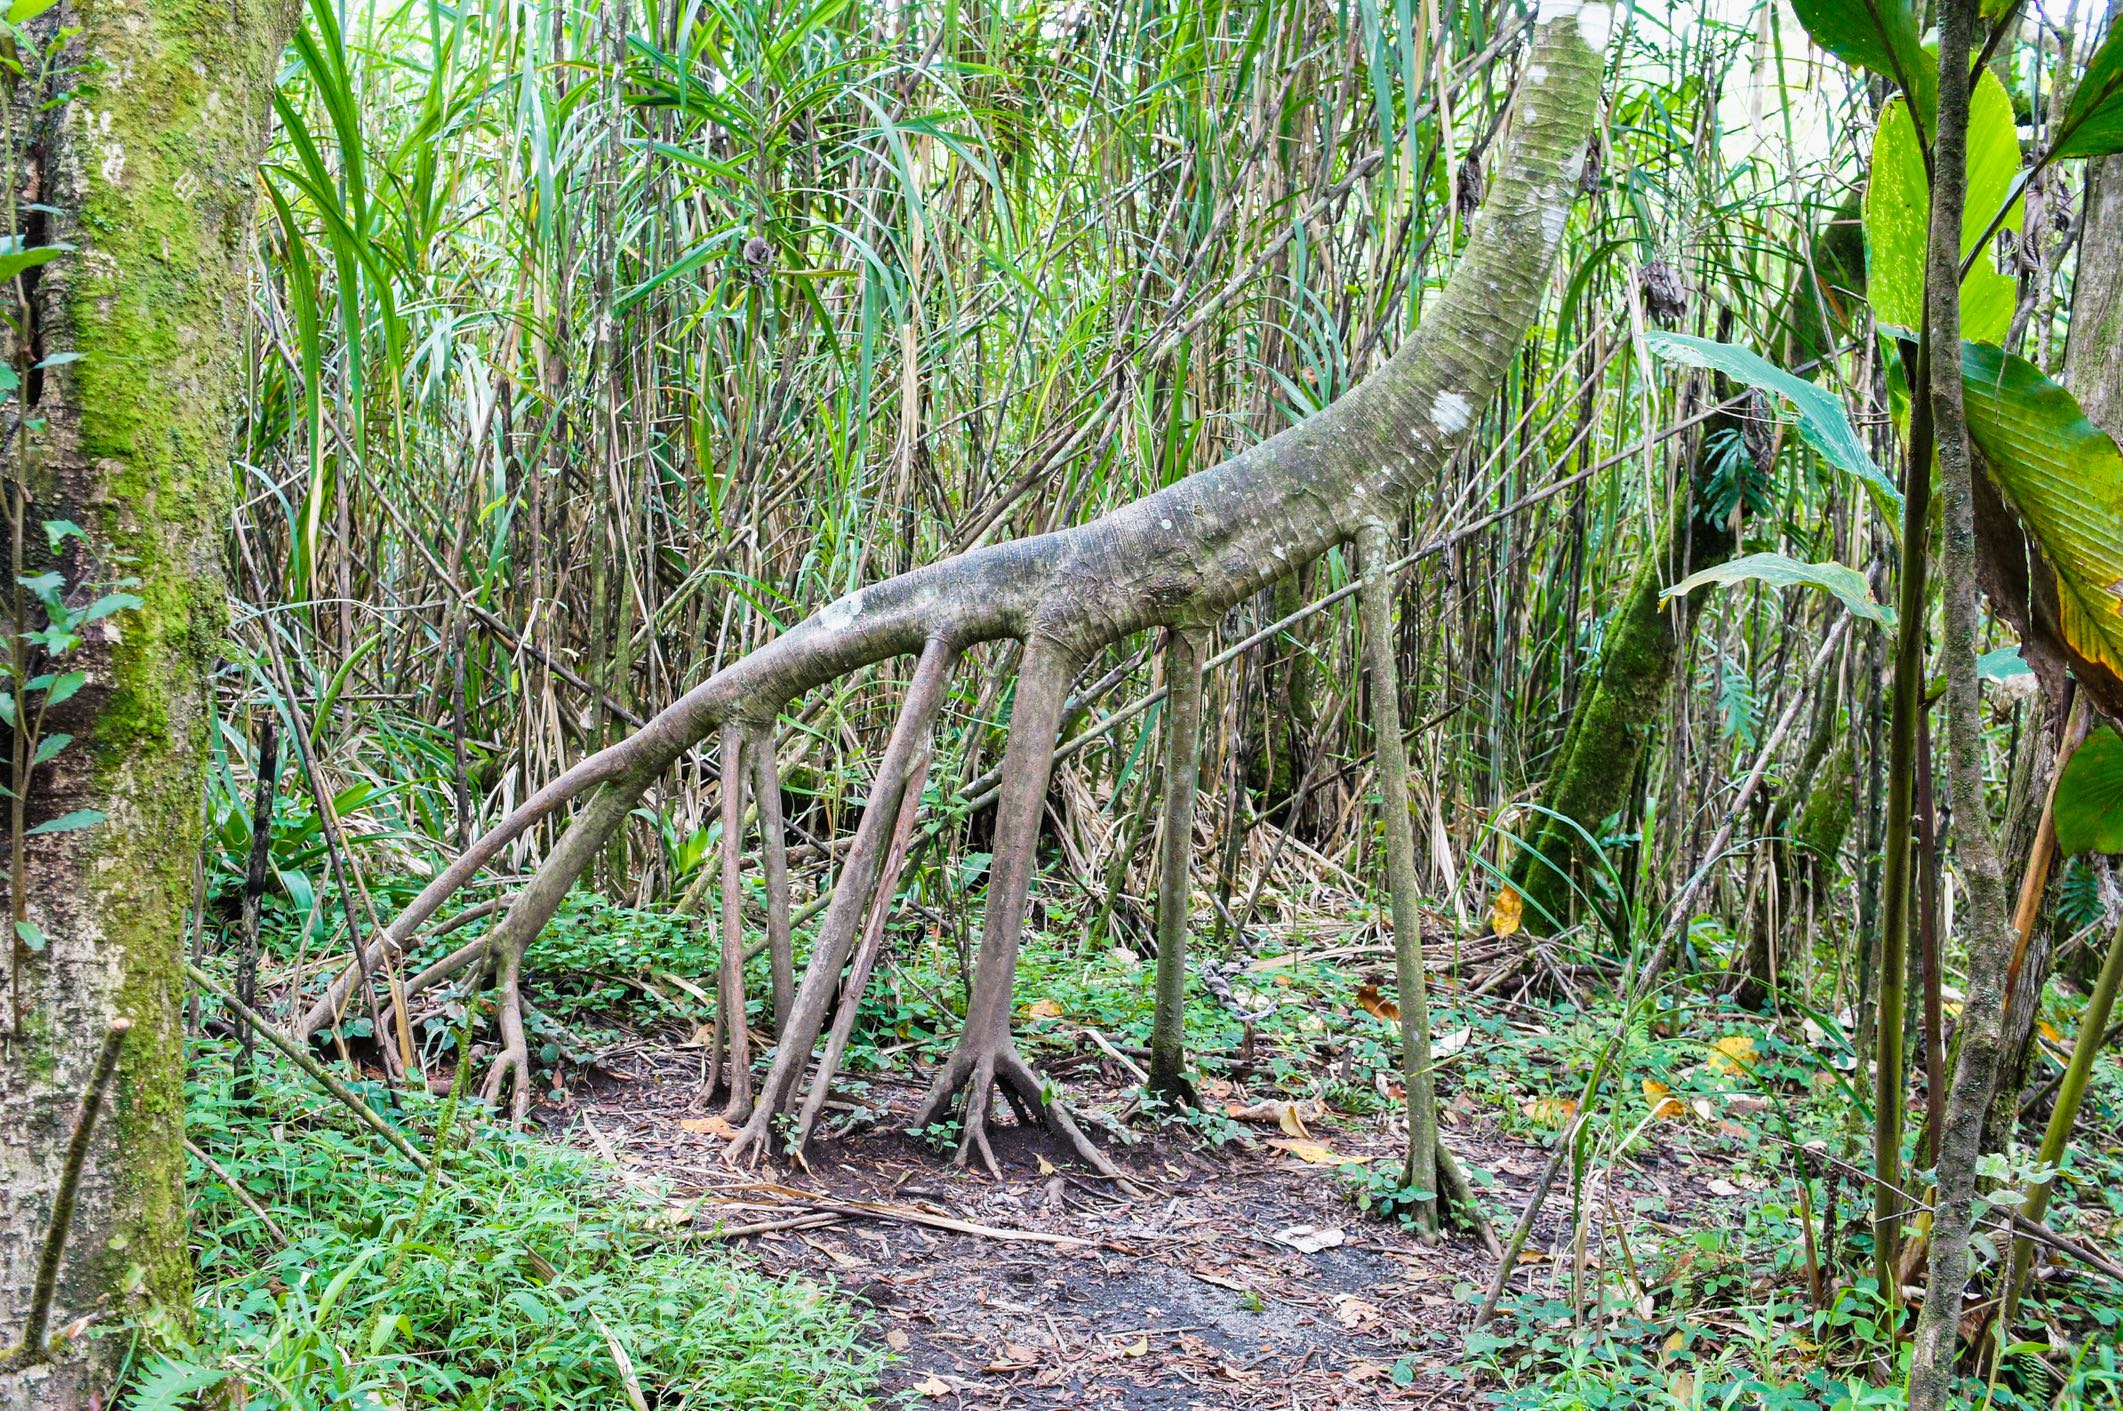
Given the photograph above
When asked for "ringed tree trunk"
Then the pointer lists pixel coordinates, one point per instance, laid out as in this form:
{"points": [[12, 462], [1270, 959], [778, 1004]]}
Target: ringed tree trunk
{"points": [[147, 169], [1178, 557]]}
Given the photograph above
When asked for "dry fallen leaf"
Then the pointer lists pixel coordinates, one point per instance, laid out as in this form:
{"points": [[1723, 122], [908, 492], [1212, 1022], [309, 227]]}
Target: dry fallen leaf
{"points": [[934, 1386], [897, 1340], [1506, 912], [708, 1126], [1444, 1048], [1043, 1009], [1733, 1054], [1311, 1239], [1555, 1112], [1313, 1152], [1282, 1112], [1663, 1107], [1376, 1005], [1352, 1312], [1137, 1348]]}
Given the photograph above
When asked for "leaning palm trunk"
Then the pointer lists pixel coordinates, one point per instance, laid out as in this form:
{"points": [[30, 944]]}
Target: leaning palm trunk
{"points": [[1172, 559]]}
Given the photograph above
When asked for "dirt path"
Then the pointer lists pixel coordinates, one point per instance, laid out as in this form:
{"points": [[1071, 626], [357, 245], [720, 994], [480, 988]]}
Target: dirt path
{"points": [[1233, 1279]]}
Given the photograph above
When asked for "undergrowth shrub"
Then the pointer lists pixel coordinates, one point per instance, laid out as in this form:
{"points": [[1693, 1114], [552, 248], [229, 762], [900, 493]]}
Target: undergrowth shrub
{"points": [[526, 1283]]}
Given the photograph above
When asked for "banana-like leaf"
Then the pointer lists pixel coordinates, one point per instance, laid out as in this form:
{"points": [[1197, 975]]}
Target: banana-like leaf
{"points": [[1821, 419], [2064, 478], [2092, 125], [1898, 215], [2089, 805], [1783, 571], [1880, 35]]}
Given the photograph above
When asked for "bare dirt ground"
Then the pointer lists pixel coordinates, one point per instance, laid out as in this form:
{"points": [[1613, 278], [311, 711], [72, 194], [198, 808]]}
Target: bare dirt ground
{"points": [[1228, 1278]]}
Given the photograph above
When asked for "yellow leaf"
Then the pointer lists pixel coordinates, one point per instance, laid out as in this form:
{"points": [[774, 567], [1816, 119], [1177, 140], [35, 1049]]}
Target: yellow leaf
{"points": [[1137, 1348], [1313, 1152], [708, 1127], [1375, 1004], [1044, 1009], [2049, 1031], [1506, 912], [1664, 1107], [1555, 1112], [1046, 1167], [1733, 1054]]}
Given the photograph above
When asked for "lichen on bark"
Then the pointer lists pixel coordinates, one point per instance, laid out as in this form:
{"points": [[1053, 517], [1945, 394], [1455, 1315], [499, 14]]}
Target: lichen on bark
{"points": [[150, 165]]}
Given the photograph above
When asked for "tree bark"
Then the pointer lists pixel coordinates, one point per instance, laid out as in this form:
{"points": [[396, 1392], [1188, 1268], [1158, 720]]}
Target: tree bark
{"points": [[1184, 554], [148, 168]]}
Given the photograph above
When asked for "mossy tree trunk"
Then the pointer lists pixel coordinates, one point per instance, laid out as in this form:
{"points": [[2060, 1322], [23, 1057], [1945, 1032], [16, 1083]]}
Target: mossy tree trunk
{"points": [[1594, 774], [146, 165]]}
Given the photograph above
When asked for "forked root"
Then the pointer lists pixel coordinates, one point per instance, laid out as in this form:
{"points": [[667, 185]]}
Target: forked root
{"points": [[973, 1077]]}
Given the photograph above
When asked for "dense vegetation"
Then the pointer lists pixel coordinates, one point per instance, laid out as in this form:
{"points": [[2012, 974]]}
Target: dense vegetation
{"points": [[587, 349]]}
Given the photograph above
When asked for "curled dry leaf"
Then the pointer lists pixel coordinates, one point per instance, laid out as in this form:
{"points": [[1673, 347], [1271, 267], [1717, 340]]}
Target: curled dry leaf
{"points": [[1664, 1106], [1506, 912], [1375, 1004], [1285, 1114]]}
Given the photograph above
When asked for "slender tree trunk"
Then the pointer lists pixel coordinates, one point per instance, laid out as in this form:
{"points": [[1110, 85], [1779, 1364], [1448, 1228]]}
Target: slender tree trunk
{"points": [[1183, 747], [1989, 939], [149, 169]]}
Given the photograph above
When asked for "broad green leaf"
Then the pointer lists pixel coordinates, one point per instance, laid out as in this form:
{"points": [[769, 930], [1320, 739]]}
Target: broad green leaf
{"points": [[1898, 215], [68, 822], [30, 935], [64, 687], [1821, 418], [2092, 125], [2064, 476], [2002, 664], [23, 11], [1880, 35], [14, 260], [49, 747], [1783, 571], [2089, 804]]}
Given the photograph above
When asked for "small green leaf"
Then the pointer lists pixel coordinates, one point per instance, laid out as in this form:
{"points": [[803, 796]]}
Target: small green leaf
{"points": [[64, 687], [108, 604], [23, 11], [13, 261], [58, 531], [2089, 803], [61, 359], [1783, 571], [1821, 419], [50, 746], [31, 936], [2092, 125], [2002, 664], [68, 822]]}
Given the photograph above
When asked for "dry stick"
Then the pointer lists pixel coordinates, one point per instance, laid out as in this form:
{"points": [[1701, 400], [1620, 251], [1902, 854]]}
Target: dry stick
{"points": [[774, 860], [334, 841], [1175, 852], [254, 875], [1517, 1242], [849, 897], [865, 954], [248, 1201], [323, 1076], [35, 1347]]}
